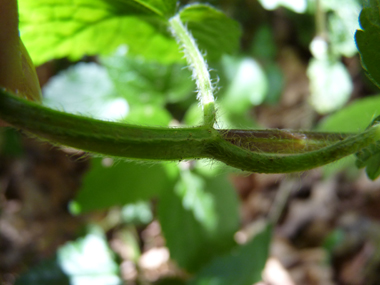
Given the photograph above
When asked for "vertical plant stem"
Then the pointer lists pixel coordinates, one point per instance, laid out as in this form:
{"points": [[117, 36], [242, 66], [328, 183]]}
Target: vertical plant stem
{"points": [[199, 68], [10, 64], [17, 72]]}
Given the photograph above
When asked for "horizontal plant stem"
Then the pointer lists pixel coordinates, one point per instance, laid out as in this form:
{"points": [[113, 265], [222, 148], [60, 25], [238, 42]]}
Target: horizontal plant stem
{"points": [[148, 143], [199, 68], [271, 163], [107, 138], [281, 141]]}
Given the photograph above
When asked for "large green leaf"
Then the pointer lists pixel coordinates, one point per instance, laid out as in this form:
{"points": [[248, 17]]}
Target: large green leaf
{"points": [[242, 266], [368, 39], [111, 183], [199, 219], [59, 28]]}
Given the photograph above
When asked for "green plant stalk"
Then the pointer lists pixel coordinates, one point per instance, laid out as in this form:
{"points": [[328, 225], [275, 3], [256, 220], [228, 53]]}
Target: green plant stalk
{"points": [[281, 141], [107, 138], [273, 163], [199, 67], [159, 144]]}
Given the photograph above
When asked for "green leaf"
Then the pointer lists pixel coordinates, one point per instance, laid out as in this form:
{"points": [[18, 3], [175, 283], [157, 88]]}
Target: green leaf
{"points": [[341, 26], [85, 89], [190, 239], [369, 157], [89, 260], [110, 183], [248, 85], [139, 213], [143, 82], [330, 85], [194, 115], [214, 32], [191, 189], [351, 119], [11, 143], [58, 28], [354, 117], [148, 114], [368, 40], [372, 8], [243, 266]]}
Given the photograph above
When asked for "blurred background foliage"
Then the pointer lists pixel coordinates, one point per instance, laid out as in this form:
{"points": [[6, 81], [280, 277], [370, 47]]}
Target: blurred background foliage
{"points": [[81, 220]]}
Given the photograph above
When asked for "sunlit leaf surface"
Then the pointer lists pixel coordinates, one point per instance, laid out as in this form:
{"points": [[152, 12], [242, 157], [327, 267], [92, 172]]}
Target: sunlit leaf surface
{"points": [[63, 28]]}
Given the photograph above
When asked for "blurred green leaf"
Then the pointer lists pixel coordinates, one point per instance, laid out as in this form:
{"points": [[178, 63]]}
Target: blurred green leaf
{"points": [[342, 26], [137, 213], [89, 260], [248, 84], [242, 266], [369, 157], [191, 189], [44, 273], [263, 45], [11, 142], [276, 82], [330, 85], [85, 89], [194, 115], [110, 183], [265, 50], [214, 32], [368, 40], [190, 243], [353, 118], [148, 114], [143, 82]]}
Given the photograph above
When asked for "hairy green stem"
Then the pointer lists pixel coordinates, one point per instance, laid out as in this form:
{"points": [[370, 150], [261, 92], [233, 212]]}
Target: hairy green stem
{"points": [[107, 138], [272, 163], [281, 141], [199, 68], [148, 143]]}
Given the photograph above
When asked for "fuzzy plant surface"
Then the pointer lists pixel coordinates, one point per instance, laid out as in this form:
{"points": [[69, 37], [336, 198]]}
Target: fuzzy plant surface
{"points": [[159, 23]]}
